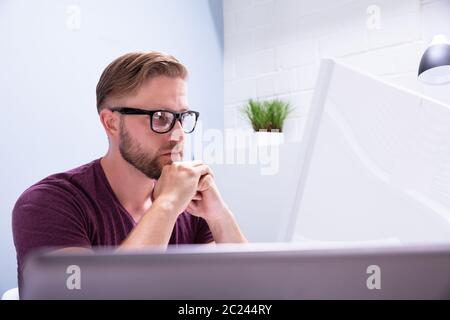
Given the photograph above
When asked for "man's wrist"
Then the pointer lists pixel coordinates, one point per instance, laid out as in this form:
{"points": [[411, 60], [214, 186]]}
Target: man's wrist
{"points": [[220, 217], [166, 207], [225, 229]]}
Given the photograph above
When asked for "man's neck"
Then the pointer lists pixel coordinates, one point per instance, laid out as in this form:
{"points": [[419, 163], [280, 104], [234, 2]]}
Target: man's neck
{"points": [[131, 187]]}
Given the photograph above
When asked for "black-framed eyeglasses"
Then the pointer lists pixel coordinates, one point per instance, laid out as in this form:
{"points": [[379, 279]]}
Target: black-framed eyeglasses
{"points": [[162, 121]]}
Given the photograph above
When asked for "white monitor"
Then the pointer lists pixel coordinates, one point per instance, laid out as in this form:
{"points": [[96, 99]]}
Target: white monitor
{"points": [[376, 164]]}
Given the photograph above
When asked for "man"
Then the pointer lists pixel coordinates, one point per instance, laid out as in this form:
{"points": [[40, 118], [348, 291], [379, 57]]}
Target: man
{"points": [[140, 193]]}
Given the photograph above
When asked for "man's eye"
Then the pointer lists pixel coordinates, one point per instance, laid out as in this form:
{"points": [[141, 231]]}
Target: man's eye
{"points": [[160, 116]]}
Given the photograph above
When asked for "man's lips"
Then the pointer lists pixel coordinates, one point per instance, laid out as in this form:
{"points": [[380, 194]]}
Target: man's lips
{"points": [[173, 155], [175, 150], [170, 153]]}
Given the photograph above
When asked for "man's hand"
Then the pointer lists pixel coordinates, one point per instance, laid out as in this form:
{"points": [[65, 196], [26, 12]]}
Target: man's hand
{"points": [[207, 203], [179, 183], [211, 207], [190, 186]]}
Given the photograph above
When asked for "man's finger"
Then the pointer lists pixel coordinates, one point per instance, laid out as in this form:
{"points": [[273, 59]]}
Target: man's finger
{"points": [[205, 182], [192, 208], [198, 163], [197, 196], [202, 169], [193, 163]]}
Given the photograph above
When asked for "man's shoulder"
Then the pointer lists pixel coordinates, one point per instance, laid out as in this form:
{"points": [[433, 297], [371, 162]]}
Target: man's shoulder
{"points": [[58, 185]]}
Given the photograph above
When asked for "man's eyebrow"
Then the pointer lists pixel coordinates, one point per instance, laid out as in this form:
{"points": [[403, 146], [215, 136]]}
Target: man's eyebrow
{"points": [[184, 109], [170, 109]]}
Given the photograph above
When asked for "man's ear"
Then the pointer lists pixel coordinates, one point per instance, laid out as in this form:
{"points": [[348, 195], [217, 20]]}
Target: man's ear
{"points": [[110, 121]]}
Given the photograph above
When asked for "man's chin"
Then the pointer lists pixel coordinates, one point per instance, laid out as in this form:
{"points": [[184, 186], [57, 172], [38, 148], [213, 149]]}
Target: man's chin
{"points": [[170, 158]]}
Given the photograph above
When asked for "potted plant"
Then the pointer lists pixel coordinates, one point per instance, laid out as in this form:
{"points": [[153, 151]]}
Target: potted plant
{"points": [[267, 119]]}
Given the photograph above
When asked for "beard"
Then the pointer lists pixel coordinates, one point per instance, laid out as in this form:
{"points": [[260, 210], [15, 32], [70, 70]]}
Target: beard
{"points": [[149, 164]]}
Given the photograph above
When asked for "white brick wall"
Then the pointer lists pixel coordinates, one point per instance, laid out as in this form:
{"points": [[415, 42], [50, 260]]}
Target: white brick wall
{"points": [[273, 47]]}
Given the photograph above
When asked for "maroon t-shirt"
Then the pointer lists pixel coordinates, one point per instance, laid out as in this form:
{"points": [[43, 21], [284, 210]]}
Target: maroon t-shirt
{"points": [[78, 208]]}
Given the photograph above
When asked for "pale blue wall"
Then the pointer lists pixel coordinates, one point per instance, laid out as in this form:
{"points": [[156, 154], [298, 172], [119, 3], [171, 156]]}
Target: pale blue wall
{"points": [[48, 74]]}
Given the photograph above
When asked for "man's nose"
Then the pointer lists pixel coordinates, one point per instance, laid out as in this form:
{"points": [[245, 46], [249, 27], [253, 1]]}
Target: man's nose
{"points": [[177, 133]]}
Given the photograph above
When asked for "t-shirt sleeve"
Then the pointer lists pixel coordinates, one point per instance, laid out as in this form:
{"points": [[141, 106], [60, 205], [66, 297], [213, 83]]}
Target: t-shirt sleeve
{"points": [[203, 234], [48, 216]]}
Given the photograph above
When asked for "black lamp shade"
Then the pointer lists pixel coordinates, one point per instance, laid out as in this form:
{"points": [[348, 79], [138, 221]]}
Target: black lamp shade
{"points": [[435, 64]]}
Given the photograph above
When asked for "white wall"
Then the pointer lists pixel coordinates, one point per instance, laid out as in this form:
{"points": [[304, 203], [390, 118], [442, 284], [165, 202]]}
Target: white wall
{"points": [[50, 66], [273, 48]]}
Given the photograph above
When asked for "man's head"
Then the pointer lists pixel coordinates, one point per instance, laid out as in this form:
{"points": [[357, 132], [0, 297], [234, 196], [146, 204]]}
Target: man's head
{"points": [[145, 81]]}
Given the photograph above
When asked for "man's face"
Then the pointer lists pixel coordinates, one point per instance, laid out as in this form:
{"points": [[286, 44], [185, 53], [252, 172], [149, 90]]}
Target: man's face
{"points": [[144, 149]]}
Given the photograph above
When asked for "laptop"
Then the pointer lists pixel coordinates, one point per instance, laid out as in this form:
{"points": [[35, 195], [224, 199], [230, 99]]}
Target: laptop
{"points": [[247, 272]]}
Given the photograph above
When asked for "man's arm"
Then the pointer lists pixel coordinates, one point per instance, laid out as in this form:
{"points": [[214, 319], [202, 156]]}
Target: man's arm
{"points": [[160, 220], [225, 229], [177, 186], [155, 227], [216, 213]]}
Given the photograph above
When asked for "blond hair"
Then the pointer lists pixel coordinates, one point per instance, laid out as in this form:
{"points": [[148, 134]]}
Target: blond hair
{"points": [[127, 73]]}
